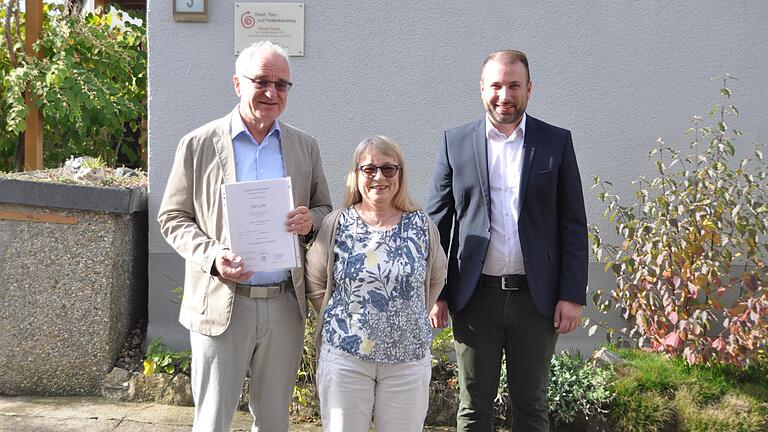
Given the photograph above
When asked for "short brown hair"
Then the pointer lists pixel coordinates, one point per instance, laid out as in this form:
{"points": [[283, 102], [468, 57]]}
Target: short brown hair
{"points": [[508, 57]]}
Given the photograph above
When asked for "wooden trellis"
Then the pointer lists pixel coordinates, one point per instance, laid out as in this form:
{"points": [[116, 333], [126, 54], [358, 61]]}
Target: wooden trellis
{"points": [[33, 136]]}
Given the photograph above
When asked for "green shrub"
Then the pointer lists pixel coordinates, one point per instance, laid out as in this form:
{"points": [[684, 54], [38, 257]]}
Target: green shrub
{"points": [[90, 83], [577, 389], [159, 359], [691, 267], [442, 345]]}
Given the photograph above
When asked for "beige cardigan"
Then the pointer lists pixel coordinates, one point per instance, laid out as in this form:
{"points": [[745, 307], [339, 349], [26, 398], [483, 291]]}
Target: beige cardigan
{"points": [[320, 261]]}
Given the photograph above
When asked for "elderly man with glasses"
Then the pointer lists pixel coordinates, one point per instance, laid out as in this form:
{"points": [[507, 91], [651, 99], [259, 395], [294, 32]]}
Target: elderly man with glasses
{"points": [[242, 321]]}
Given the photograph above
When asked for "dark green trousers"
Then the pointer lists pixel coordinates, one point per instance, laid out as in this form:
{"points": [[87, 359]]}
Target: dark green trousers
{"points": [[492, 323]]}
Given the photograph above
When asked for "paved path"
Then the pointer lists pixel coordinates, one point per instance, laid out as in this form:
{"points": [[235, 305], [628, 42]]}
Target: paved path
{"points": [[93, 414]]}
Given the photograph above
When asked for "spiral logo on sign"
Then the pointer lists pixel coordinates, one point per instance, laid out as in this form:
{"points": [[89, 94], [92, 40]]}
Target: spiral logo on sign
{"points": [[247, 21]]}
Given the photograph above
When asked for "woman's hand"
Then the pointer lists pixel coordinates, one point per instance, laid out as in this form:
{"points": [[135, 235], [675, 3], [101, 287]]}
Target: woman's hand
{"points": [[438, 316]]}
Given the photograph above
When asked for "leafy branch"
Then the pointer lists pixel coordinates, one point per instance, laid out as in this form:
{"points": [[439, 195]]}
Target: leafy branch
{"points": [[89, 84], [691, 268]]}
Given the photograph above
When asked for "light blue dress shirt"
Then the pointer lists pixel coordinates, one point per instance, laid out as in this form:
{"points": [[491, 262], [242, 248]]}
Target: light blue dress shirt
{"points": [[258, 161]]}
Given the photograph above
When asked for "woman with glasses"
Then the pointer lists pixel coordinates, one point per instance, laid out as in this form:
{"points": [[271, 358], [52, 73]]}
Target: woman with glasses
{"points": [[373, 273]]}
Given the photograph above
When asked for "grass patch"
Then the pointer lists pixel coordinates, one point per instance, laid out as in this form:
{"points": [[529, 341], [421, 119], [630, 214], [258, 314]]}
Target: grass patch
{"points": [[656, 394]]}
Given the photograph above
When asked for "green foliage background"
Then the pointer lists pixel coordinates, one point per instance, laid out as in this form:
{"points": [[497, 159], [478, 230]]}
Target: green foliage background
{"points": [[90, 86]]}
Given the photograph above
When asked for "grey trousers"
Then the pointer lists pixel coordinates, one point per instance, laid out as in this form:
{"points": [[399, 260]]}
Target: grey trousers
{"points": [[265, 336], [492, 323]]}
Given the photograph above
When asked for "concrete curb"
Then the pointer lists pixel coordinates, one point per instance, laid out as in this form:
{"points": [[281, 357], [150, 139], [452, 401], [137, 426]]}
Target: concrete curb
{"points": [[73, 196]]}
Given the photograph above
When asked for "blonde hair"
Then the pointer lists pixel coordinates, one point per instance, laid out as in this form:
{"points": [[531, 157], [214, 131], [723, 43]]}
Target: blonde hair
{"points": [[388, 147]]}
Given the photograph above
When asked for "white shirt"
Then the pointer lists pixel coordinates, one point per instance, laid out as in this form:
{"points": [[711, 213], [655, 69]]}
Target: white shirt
{"points": [[505, 165]]}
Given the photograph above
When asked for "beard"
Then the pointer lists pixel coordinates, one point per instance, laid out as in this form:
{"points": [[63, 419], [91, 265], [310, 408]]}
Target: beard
{"points": [[511, 117]]}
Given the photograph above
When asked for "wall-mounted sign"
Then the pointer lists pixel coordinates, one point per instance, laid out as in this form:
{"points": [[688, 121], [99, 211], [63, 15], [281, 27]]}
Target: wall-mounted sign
{"points": [[280, 23], [190, 10]]}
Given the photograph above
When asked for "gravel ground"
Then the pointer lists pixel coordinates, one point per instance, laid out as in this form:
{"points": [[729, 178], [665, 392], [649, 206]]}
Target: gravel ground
{"points": [[132, 353], [114, 177]]}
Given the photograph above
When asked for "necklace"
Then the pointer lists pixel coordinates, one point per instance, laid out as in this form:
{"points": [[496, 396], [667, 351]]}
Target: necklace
{"points": [[375, 220]]}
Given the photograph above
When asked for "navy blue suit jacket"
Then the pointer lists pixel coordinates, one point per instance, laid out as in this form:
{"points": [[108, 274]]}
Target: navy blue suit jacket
{"points": [[552, 222]]}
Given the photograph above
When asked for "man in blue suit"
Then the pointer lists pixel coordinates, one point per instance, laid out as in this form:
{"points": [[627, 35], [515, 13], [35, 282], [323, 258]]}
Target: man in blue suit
{"points": [[507, 200]]}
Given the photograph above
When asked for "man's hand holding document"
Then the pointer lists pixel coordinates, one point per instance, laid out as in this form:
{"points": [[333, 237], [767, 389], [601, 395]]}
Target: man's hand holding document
{"points": [[256, 213]]}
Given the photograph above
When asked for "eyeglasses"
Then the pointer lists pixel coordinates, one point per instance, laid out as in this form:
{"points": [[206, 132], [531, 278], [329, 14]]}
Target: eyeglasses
{"points": [[261, 84], [388, 170]]}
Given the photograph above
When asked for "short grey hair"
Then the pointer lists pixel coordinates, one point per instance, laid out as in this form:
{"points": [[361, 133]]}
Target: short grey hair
{"points": [[245, 57]]}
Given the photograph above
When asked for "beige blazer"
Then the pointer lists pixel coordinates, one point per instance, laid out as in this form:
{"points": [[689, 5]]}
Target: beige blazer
{"points": [[192, 219], [321, 258]]}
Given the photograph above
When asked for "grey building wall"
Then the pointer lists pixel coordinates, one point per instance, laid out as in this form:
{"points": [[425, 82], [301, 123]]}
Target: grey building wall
{"points": [[617, 74]]}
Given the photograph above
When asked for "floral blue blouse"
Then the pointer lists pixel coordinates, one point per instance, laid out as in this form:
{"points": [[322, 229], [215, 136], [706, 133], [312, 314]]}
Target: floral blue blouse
{"points": [[377, 310]]}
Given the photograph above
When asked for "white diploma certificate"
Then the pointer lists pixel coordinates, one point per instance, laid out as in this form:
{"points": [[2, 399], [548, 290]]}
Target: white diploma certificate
{"points": [[256, 212]]}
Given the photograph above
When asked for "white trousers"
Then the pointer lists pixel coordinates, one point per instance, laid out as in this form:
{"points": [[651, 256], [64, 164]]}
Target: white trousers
{"points": [[265, 336], [352, 390]]}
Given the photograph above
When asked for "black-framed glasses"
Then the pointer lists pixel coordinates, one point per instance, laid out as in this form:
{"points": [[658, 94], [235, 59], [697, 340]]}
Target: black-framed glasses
{"points": [[387, 170], [261, 84]]}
